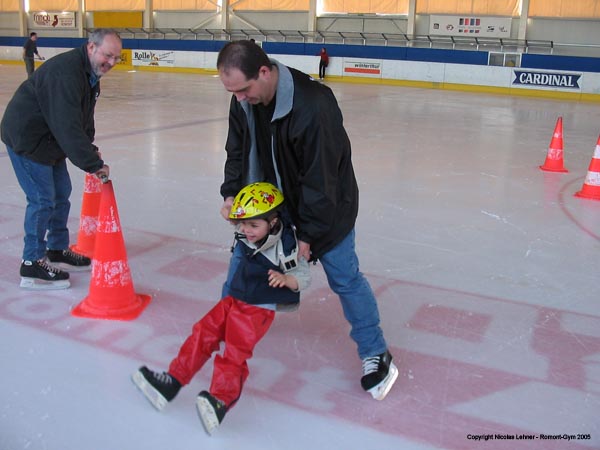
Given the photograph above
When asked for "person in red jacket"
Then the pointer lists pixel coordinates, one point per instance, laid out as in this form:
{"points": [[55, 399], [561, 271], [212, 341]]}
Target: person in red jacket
{"points": [[323, 63]]}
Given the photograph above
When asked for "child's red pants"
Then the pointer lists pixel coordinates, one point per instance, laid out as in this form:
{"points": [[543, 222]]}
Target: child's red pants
{"points": [[240, 326]]}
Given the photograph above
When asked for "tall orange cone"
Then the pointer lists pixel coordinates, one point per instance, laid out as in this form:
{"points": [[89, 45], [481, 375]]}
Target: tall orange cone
{"points": [[591, 185], [88, 220], [554, 158], [111, 294]]}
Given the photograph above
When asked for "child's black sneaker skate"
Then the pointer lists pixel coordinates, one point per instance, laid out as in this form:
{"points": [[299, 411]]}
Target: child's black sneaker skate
{"points": [[379, 375], [40, 275], [69, 260], [158, 388], [211, 411]]}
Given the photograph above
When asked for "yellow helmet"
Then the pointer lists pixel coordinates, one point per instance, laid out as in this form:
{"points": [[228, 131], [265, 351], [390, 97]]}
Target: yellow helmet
{"points": [[256, 201]]}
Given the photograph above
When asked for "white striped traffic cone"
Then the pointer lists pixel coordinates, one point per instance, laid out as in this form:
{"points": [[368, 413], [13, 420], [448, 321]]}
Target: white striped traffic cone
{"points": [[591, 185], [88, 221], [111, 294], [554, 158]]}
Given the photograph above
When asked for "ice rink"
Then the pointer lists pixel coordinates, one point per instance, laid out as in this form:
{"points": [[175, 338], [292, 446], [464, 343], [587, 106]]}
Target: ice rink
{"points": [[486, 270]]}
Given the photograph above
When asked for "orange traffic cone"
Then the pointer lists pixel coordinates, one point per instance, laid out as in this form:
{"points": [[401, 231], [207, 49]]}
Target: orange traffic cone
{"points": [[591, 185], [554, 158], [111, 294], [88, 221]]}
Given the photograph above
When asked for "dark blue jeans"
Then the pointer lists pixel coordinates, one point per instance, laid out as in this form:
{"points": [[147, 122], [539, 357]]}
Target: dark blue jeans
{"points": [[356, 296], [47, 189]]}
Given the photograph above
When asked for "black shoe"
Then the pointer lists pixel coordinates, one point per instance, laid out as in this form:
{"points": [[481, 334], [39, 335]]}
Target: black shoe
{"points": [[211, 411], [41, 275], [379, 375], [69, 260], [158, 388]]}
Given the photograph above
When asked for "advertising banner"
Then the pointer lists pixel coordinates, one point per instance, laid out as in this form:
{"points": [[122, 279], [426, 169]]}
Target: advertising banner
{"points": [[362, 68], [54, 19], [470, 26], [152, 58], [537, 79]]}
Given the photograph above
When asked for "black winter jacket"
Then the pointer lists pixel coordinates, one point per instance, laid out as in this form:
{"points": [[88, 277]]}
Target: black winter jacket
{"points": [[312, 155], [250, 282], [51, 115]]}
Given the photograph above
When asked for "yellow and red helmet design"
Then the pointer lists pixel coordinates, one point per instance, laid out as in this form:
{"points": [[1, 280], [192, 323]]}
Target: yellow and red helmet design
{"points": [[256, 201]]}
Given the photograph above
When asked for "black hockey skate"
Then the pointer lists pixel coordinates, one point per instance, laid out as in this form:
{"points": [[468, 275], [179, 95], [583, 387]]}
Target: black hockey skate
{"points": [[40, 275], [379, 375], [158, 388], [69, 260], [211, 411]]}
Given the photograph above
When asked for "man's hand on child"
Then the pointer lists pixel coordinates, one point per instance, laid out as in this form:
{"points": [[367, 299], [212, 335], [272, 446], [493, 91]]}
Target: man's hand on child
{"points": [[226, 208]]}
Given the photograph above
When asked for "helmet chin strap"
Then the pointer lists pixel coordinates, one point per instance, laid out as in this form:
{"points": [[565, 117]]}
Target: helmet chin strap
{"points": [[274, 228], [286, 263], [236, 237]]}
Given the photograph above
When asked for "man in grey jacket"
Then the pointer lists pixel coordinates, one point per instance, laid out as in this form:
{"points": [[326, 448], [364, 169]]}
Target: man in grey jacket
{"points": [[287, 129], [50, 118]]}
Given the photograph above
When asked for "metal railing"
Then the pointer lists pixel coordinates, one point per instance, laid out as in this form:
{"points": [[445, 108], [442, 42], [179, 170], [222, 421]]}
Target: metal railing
{"points": [[345, 37], [477, 43]]}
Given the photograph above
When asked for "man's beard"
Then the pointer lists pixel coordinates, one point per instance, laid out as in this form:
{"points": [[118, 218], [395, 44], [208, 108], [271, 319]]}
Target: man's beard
{"points": [[97, 72]]}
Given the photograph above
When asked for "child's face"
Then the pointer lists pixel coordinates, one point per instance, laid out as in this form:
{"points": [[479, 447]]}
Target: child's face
{"points": [[254, 229]]}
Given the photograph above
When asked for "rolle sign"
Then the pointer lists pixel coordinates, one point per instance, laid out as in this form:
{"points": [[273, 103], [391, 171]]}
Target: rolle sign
{"points": [[54, 19]]}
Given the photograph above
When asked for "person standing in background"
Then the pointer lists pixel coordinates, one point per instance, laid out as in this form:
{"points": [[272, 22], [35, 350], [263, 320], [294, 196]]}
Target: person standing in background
{"points": [[29, 50], [323, 63]]}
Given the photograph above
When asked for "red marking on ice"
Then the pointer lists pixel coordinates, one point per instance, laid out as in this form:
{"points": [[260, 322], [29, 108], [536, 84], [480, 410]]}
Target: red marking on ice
{"points": [[451, 322], [196, 268]]}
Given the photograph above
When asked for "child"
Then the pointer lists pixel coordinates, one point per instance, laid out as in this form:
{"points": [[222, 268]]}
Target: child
{"points": [[244, 315]]}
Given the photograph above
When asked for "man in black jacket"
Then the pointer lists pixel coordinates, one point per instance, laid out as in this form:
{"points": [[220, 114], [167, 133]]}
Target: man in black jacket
{"points": [[51, 118], [287, 129]]}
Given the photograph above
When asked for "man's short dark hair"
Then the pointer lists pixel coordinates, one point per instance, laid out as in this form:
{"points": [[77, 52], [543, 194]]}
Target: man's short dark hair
{"points": [[245, 56], [32, 34]]}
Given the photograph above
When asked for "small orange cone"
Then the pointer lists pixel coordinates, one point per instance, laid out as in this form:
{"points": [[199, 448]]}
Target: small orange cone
{"points": [[554, 158], [111, 294], [88, 221], [591, 185]]}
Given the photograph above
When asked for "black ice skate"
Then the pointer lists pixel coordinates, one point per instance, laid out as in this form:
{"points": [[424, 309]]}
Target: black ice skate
{"points": [[158, 388], [38, 275], [68, 260], [379, 375], [211, 411]]}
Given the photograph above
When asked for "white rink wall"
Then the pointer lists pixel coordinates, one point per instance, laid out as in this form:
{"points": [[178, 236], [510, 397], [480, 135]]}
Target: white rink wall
{"points": [[497, 79]]}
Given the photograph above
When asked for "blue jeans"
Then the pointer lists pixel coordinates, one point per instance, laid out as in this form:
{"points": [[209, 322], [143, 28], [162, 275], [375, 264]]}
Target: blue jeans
{"points": [[47, 189], [357, 298]]}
